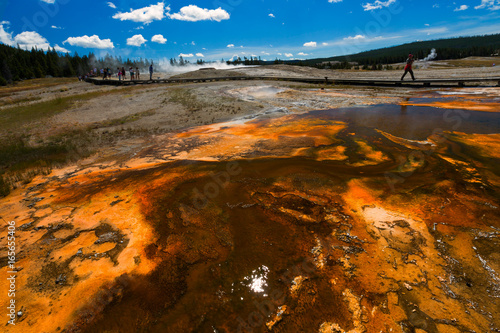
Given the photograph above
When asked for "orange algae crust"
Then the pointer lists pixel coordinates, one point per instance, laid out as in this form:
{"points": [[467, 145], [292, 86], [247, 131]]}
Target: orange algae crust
{"points": [[330, 229]]}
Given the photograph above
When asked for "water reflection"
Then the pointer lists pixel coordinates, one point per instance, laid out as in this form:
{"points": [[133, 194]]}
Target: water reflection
{"points": [[257, 281]]}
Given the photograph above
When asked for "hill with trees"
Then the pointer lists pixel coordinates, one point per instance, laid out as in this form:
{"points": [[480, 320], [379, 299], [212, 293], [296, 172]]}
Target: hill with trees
{"points": [[446, 49]]}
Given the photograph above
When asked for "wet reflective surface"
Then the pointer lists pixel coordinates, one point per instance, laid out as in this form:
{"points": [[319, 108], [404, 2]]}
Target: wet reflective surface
{"points": [[363, 219]]}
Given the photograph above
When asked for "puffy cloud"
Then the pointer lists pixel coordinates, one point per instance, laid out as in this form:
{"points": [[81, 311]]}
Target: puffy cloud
{"points": [[194, 13], [136, 40], [145, 15], [29, 39], [334, 1], [90, 42], [200, 55], [288, 55], [5, 37], [112, 5], [489, 4], [159, 39], [272, 15], [189, 55], [462, 7], [230, 45], [324, 44], [357, 37], [303, 54], [311, 44], [60, 49], [378, 4]]}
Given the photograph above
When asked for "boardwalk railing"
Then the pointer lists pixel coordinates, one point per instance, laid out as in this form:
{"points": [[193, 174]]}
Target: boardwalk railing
{"points": [[461, 82]]}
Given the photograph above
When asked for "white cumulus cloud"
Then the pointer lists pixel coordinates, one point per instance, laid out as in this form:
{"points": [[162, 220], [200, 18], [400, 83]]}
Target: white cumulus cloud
{"points": [[272, 15], [60, 49], [311, 44], [230, 45], [136, 40], [188, 55], [159, 39], [26, 39], [303, 54], [489, 4], [5, 37], [334, 1], [194, 13], [144, 15], [378, 4], [200, 55], [29, 39], [461, 8], [357, 37], [288, 55], [49, 1], [90, 42]]}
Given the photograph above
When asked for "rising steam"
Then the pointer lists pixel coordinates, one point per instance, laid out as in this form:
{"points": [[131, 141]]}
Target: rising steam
{"points": [[165, 66], [431, 55]]}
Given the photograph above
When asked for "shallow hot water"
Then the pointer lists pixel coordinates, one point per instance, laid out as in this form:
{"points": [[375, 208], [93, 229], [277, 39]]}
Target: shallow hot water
{"points": [[415, 122]]}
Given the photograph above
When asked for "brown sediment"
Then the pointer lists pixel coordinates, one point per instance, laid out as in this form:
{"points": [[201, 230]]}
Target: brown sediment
{"points": [[464, 105], [484, 99], [298, 223]]}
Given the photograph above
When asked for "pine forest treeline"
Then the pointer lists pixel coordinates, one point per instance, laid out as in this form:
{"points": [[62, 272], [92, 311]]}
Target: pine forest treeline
{"points": [[18, 64], [446, 49]]}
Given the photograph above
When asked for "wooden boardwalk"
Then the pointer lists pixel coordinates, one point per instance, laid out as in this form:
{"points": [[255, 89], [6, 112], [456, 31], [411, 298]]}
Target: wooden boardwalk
{"points": [[460, 82]]}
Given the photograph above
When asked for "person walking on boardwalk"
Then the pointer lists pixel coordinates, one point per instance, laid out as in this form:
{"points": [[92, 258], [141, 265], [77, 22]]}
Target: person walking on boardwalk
{"points": [[151, 72], [137, 74], [409, 63], [124, 74], [131, 73], [119, 71]]}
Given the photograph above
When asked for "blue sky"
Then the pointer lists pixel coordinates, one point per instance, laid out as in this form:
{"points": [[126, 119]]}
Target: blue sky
{"points": [[215, 29]]}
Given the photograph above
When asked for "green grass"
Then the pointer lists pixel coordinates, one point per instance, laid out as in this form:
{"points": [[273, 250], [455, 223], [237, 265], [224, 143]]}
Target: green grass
{"points": [[35, 84], [15, 117], [125, 119], [184, 97], [21, 159], [10, 101]]}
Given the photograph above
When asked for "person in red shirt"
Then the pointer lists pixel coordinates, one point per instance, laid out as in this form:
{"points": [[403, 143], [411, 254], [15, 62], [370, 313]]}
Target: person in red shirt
{"points": [[409, 62]]}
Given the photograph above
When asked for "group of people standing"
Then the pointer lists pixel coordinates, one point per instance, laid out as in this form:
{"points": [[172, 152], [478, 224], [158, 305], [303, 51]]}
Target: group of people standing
{"points": [[134, 74], [122, 73]]}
